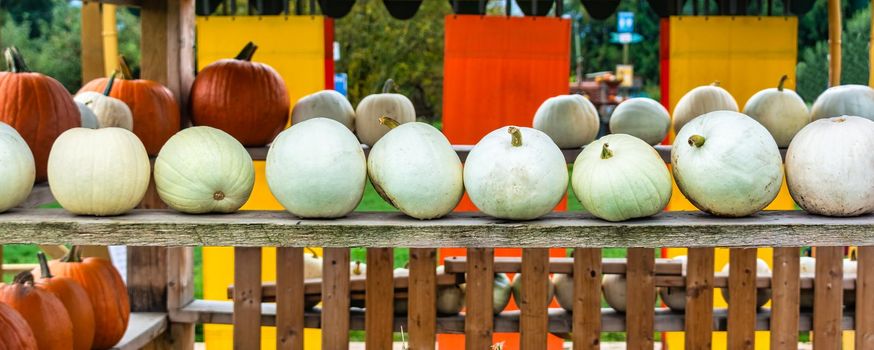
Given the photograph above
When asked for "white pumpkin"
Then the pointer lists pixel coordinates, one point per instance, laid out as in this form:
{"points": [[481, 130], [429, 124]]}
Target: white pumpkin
{"points": [[829, 166], [386, 104], [762, 294], [17, 168], [450, 299], [620, 177], [89, 120], [110, 111], [570, 120], [643, 118], [515, 173], [727, 164], [675, 297], [316, 169], [501, 291], [516, 286], [312, 264], [415, 169], [614, 288], [204, 170], [98, 172], [857, 100], [326, 103], [564, 290], [780, 110], [702, 100], [807, 267]]}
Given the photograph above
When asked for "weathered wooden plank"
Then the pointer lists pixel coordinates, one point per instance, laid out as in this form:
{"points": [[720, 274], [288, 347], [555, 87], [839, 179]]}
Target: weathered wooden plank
{"points": [[275, 228], [422, 325], [785, 296], [167, 43], [699, 298], [289, 298], [147, 278], [479, 320], [335, 298], [534, 302], [180, 285], [586, 326], [247, 298], [616, 266], [92, 43], [357, 285], [640, 294], [742, 299], [379, 301], [864, 300], [143, 327], [828, 299]]}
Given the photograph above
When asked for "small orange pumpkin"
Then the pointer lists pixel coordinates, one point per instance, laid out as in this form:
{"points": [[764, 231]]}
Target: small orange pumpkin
{"points": [[75, 300], [155, 111], [243, 98], [107, 292], [37, 106], [46, 315], [15, 333]]}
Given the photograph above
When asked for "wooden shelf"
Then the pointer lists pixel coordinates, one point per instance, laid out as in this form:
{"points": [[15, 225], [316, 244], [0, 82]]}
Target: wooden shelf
{"points": [[142, 328]]}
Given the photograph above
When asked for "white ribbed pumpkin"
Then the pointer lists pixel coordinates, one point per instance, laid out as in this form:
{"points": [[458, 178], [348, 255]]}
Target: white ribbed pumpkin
{"points": [[89, 120], [316, 169], [675, 297], [98, 172], [857, 100], [17, 168], [829, 166], [643, 118], [762, 294], [570, 120], [110, 111], [415, 169], [620, 177], [780, 110], [516, 286], [727, 164], [386, 104], [702, 100], [204, 170], [326, 103], [515, 173]]}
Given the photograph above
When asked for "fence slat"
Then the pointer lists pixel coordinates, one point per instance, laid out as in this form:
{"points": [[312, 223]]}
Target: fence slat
{"points": [[480, 320], [535, 278], [423, 294], [335, 299], [785, 295], [247, 298], [587, 299], [742, 298], [379, 301], [180, 292], [699, 298], [289, 298], [640, 293], [828, 298], [864, 300]]}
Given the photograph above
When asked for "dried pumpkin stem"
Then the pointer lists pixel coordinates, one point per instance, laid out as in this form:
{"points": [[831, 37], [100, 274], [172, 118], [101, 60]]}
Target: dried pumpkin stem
{"points": [[516, 136], [23, 278], [244, 53], [389, 122], [782, 82], [388, 86], [74, 255], [606, 153], [14, 61], [357, 269], [312, 251], [44, 265], [251, 53], [108, 89], [696, 140], [715, 83], [124, 68]]}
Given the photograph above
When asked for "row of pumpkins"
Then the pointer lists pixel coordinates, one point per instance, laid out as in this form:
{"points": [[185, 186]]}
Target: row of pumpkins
{"points": [[70, 303]]}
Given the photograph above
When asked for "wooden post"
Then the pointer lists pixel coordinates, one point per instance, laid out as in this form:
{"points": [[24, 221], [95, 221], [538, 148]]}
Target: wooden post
{"points": [[785, 295], [289, 298], [379, 298], [834, 42], [864, 300], [742, 299], [335, 299], [587, 299], [699, 298], [423, 295], [640, 292], [480, 320], [828, 298], [247, 298], [92, 42], [167, 43], [180, 262], [535, 286]]}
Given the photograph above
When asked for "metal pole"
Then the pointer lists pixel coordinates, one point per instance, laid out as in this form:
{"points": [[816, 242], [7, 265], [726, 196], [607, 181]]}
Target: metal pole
{"points": [[786, 7], [312, 7], [205, 7], [455, 6], [534, 7], [508, 7]]}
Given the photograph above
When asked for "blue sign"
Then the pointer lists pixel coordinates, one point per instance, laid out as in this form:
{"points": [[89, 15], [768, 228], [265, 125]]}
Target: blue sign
{"points": [[341, 83], [625, 38], [625, 22]]}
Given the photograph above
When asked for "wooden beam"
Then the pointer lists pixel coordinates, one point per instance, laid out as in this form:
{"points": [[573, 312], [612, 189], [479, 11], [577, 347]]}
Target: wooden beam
{"points": [[785, 297], [834, 42], [335, 298], [167, 43], [742, 299], [864, 301], [699, 298], [379, 302], [423, 297], [586, 325], [534, 298], [640, 294], [289, 298], [479, 324], [92, 42], [247, 298], [180, 292], [828, 300]]}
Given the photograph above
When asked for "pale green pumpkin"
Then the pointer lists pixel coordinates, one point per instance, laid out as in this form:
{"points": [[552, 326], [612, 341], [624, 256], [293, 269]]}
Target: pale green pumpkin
{"points": [[501, 291], [702, 100], [780, 110], [326, 103], [387, 104], [836, 101], [17, 168], [643, 118], [89, 120], [204, 170], [570, 120], [620, 177]]}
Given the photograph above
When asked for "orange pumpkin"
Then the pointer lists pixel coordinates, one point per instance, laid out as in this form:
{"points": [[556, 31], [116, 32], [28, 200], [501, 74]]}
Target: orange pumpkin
{"points": [[243, 98], [155, 111], [46, 315], [15, 333], [75, 301], [107, 292], [37, 106]]}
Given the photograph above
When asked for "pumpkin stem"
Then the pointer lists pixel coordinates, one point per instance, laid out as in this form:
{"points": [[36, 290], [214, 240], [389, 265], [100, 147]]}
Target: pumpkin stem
{"points": [[244, 53], [517, 136], [389, 122], [606, 153], [219, 195], [357, 269], [74, 255], [388, 86], [124, 68], [311, 250], [715, 83], [43, 265], [782, 81], [696, 140], [251, 53], [14, 60], [23, 278], [108, 88]]}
